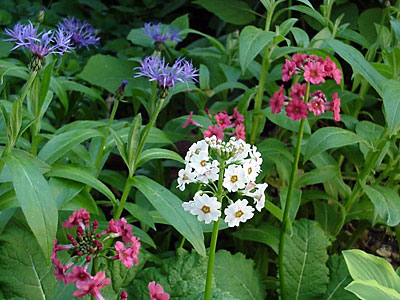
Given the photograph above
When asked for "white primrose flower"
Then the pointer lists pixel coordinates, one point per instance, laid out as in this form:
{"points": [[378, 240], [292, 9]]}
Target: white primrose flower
{"points": [[199, 162], [256, 156], [251, 169], [212, 174], [206, 208], [238, 212], [196, 149], [234, 178], [257, 192], [185, 176]]}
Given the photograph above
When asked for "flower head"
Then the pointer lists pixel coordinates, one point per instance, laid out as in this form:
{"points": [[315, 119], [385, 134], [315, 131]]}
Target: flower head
{"points": [[167, 76], [214, 130], [240, 132], [92, 286], [160, 33], [288, 70], [82, 33], [206, 208], [296, 110], [128, 255], [234, 178], [257, 192], [157, 292], [334, 106], [223, 119], [78, 273], [120, 228], [42, 43], [238, 212], [314, 72], [79, 218], [277, 101]]}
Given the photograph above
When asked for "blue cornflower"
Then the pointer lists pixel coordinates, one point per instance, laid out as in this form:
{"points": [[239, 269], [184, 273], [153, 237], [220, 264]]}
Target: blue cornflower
{"points": [[40, 44], [161, 35], [83, 34], [167, 76]]}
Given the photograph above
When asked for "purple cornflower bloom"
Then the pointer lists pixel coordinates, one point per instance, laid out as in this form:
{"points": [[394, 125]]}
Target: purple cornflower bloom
{"points": [[40, 44], [83, 34], [167, 76], [155, 31]]}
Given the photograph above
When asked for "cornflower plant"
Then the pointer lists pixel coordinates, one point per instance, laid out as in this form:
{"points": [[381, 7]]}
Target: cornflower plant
{"points": [[166, 77], [161, 34], [222, 168], [314, 70]]}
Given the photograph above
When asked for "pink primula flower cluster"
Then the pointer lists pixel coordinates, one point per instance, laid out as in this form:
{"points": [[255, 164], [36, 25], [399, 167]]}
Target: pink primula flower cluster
{"points": [[314, 70], [157, 292], [223, 124], [89, 244]]}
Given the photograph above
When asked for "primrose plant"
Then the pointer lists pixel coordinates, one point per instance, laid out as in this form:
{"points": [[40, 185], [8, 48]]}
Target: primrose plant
{"points": [[222, 169]]}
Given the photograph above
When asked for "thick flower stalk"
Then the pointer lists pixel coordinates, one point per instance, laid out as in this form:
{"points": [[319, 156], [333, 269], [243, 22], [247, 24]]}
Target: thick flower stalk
{"points": [[88, 244], [41, 43], [220, 169], [223, 123], [82, 33], [299, 103]]}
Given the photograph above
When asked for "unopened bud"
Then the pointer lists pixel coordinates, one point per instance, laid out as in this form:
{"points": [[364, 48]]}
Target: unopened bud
{"points": [[124, 295]]}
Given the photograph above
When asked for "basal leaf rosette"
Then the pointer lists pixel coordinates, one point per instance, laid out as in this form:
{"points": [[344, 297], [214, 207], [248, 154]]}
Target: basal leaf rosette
{"points": [[222, 169]]}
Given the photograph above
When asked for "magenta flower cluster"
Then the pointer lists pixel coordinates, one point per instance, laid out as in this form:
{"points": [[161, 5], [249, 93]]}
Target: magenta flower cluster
{"points": [[89, 245], [156, 69], [314, 70], [223, 124]]}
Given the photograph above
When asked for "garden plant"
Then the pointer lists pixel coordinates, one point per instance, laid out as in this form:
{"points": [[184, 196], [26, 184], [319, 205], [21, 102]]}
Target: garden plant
{"points": [[206, 149]]}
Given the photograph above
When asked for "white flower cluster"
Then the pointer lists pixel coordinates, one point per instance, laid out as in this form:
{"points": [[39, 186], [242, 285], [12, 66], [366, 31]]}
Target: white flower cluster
{"points": [[241, 167]]}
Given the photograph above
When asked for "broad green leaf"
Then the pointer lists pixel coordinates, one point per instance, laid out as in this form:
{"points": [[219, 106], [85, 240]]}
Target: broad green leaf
{"points": [[309, 11], [363, 266], [366, 23], [24, 272], [137, 37], [304, 259], [133, 142], [296, 200], [236, 274], [371, 290], [170, 207], [371, 133], [5, 217], [77, 87], [339, 278], [217, 44], [140, 213], [108, 72], [204, 77], [60, 144], [328, 138], [183, 277], [300, 36], [386, 202], [36, 200], [231, 11], [57, 87], [358, 63], [81, 174], [251, 41], [318, 175], [64, 190], [391, 102], [158, 153], [286, 26], [265, 234], [5, 17]]}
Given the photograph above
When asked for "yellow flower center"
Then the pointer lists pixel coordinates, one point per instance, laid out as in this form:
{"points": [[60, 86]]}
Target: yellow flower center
{"points": [[239, 213], [234, 178], [249, 170], [203, 163], [205, 209]]}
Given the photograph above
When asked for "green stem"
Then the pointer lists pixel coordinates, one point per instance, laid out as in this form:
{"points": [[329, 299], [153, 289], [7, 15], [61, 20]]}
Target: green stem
{"points": [[107, 131], [214, 236], [127, 188], [260, 91], [285, 221]]}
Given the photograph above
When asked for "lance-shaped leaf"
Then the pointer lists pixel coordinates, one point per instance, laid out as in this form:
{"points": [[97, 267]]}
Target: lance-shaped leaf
{"points": [[391, 102], [133, 142]]}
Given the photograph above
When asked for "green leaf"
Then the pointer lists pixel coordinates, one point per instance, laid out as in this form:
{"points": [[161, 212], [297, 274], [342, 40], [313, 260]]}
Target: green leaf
{"points": [[60, 144], [211, 39], [339, 278], [266, 234], [120, 146], [137, 37], [36, 200], [386, 202], [236, 274], [304, 260], [45, 83], [140, 213], [80, 174], [371, 290], [108, 72], [309, 11], [296, 200], [391, 90], [24, 272], [366, 23], [158, 153], [5, 17], [328, 138], [231, 11], [284, 121], [358, 63], [170, 207], [319, 175], [251, 41], [133, 142], [371, 133], [363, 266], [58, 89]]}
